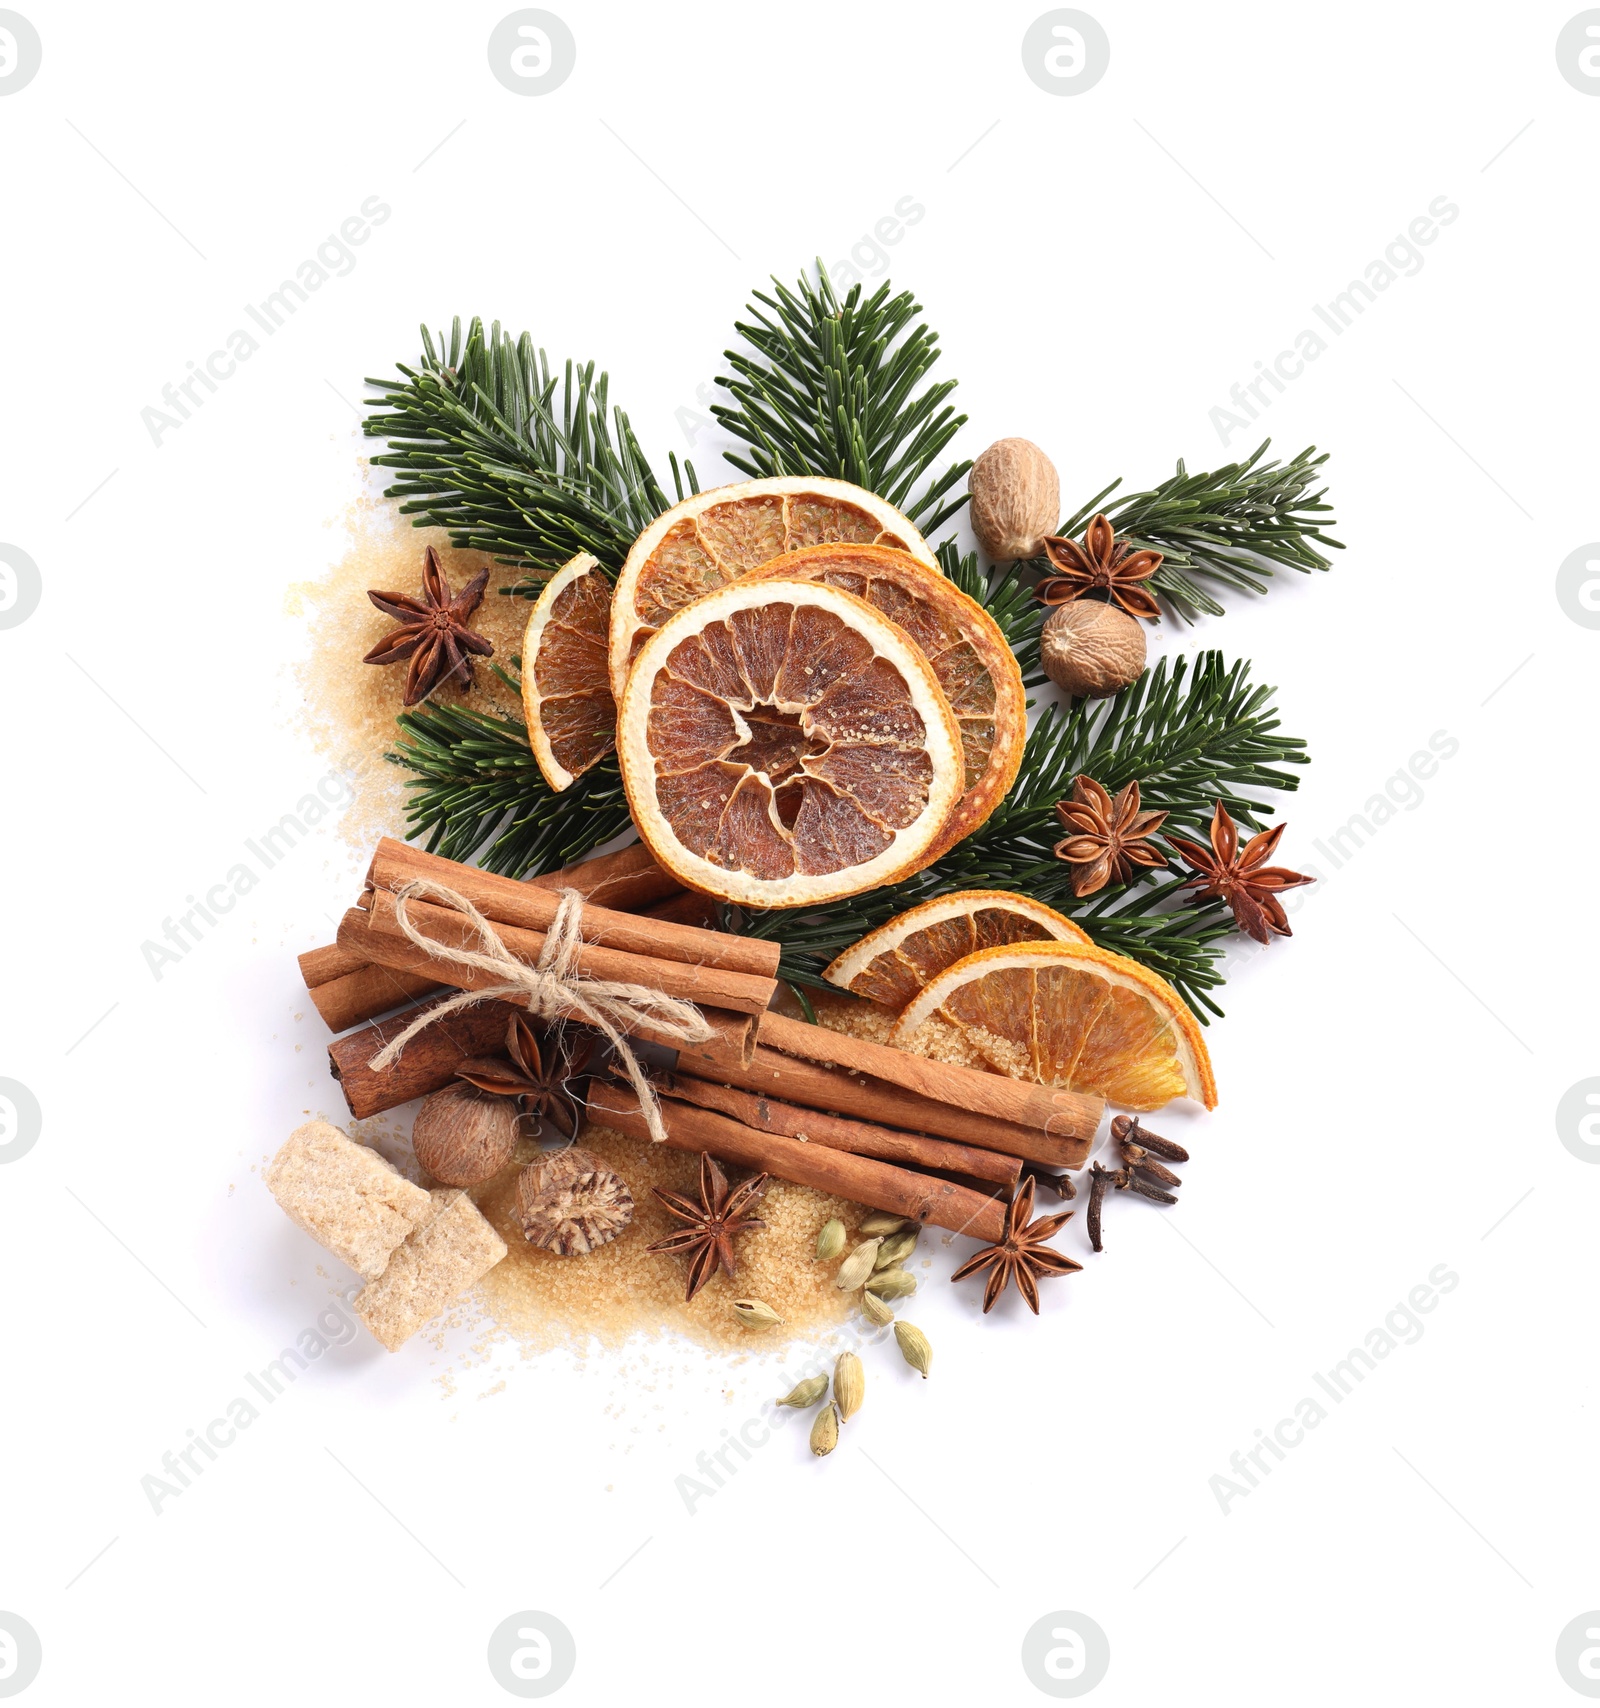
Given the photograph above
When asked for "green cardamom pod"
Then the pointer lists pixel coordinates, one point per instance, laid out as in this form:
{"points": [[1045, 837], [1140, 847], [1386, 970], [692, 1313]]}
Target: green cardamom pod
{"points": [[754, 1314], [857, 1266], [914, 1347], [825, 1432], [849, 1385], [803, 1395], [897, 1248], [880, 1222], [892, 1284], [875, 1310], [830, 1242]]}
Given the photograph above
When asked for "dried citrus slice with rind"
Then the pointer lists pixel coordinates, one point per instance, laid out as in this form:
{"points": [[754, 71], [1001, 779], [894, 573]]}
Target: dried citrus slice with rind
{"points": [[783, 743], [976, 668], [721, 534], [566, 690], [1074, 1016], [890, 965]]}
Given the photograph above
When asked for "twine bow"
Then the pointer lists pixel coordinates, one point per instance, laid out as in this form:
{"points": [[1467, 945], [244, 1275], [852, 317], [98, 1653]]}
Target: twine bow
{"points": [[551, 988]]}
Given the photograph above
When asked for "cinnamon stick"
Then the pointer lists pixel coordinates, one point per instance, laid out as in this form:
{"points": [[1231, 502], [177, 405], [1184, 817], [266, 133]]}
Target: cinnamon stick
{"points": [[1063, 1114], [324, 965], [370, 990], [863, 1180], [625, 880], [376, 932], [532, 908], [426, 1064], [430, 1060], [860, 1138], [816, 1087]]}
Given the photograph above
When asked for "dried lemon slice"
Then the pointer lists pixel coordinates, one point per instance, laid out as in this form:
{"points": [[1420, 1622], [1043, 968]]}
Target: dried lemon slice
{"points": [[1074, 1016], [890, 965], [566, 692], [963, 643], [719, 535], [783, 743]]}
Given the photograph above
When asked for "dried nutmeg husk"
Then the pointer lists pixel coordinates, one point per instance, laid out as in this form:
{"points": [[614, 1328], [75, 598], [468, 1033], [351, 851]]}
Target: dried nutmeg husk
{"points": [[462, 1135], [1016, 500], [1091, 649], [569, 1203]]}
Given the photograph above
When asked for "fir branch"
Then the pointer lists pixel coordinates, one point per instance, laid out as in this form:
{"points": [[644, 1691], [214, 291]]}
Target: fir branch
{"points": [[829, 391], [479, 795], [1230, 527], [485, 453]]}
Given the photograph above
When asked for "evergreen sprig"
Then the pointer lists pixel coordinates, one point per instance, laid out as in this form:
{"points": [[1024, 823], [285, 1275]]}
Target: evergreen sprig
{"points": [[477, 793], [830, 389], [1230, 526], [486, 452]]}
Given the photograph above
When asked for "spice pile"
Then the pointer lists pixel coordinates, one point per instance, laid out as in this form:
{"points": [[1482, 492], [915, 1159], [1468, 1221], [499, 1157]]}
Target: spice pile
{"points": [[814, 727]]}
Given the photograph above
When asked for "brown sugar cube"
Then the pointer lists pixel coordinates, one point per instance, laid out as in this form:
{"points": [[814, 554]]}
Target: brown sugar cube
{"points": [[436, 1264], [346, 1196]]}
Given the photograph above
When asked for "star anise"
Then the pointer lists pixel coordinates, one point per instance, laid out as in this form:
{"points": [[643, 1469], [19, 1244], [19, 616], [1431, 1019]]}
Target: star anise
{"points": [[540, 1075], [1108, 838], [713, 1222], [1102, 564], [1022, 1256], [433, 631], [1241, 877]]}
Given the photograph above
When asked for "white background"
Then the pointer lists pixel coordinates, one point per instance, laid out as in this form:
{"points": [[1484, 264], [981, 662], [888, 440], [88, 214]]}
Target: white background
{"points": [[1102, 269]]}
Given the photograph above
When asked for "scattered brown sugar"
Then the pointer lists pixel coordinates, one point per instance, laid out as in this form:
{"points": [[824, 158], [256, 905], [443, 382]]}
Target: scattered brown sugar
{"points": [[348, 708], [541, 1300]]}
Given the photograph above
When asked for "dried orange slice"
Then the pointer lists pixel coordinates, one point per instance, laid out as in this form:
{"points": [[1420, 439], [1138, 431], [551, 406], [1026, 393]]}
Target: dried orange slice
{"points": [[1072, 1015], [783, 743], [890, 965], [717, 536], [566, 692], [963, 643]]}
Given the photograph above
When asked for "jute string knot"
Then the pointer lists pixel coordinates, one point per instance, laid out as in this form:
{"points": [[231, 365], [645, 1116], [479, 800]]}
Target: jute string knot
{"points": [[552, 988]]}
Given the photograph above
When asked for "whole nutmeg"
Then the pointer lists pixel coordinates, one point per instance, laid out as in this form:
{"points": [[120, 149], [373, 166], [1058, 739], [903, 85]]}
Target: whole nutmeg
{"points": [[462, 1135], [1090, 649], [1016, 500], [570, 1204]]}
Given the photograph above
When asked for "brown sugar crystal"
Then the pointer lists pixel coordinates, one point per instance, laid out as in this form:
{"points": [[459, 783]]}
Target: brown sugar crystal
{"points": [[345, 1196], [436, 1264]]}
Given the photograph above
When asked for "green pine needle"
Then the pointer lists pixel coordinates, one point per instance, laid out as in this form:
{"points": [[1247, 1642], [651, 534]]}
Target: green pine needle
{"points": [[829, 391], [485, 452], [1230, 527], [479, 796]]}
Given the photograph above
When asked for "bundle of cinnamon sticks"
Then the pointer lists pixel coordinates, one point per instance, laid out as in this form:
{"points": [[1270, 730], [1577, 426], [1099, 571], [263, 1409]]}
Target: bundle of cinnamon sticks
{"points": [[932, 1141]]}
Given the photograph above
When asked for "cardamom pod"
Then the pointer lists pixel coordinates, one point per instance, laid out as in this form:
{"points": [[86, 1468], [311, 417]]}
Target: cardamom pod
{"points": [[754, 1314], [892, 1284], [825, 1432], [914, 1347], [857, 1266], [897, 1248], [803, 1395], [830, 1241], [849, 1385], [875, 1310], [881, 1222]]}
